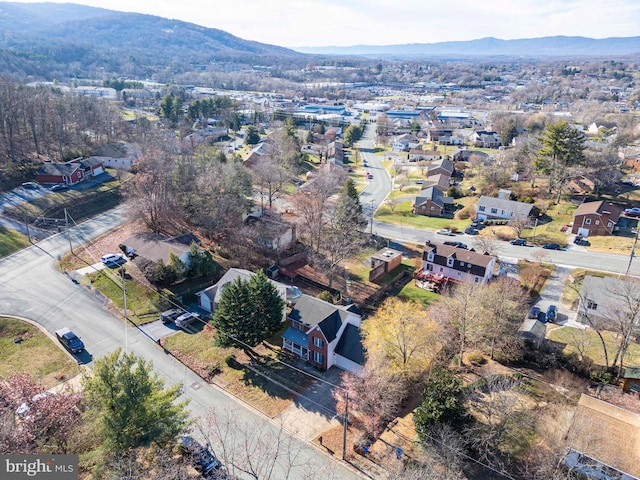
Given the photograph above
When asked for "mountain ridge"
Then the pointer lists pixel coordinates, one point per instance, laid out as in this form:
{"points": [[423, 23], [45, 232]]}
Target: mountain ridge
{"points": [[558, 45]]}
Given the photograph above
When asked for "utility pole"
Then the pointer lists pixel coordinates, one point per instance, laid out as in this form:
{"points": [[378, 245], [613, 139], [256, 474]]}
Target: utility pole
{"points": [[124, 303], [346, 424], [66, 222], [26, 223], [633, 249]]}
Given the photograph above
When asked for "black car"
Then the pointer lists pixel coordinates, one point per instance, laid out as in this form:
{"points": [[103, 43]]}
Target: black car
{"points": [[456, 244], [203, 459], [520, 242], [534, 312], [471, 231], [551, 246], [69, 340], [552, 313]]}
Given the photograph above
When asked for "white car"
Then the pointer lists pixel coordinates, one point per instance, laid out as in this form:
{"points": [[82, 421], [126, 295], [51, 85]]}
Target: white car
{"points": [[445, 231], [113, 259]]}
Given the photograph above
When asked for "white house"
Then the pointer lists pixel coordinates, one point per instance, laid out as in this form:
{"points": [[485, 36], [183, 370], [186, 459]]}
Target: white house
{"points": [[457, 264], [501, 208]]}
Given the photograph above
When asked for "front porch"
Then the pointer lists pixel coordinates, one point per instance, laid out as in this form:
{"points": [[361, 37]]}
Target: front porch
{"points": [[296, 342]]}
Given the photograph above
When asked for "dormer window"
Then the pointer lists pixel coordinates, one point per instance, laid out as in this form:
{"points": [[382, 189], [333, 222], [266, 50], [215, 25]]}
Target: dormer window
{"points": [[430, 257], [450, 262]]}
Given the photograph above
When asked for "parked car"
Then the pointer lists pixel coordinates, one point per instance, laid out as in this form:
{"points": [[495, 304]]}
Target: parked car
{"points": [[552, 246], [552, 313], [445, 231], [203, 459], [456, 244], [420, 181], [59, 187], [471, 231], [369, 176], [520, 242], [112, 259], [30, 185], [169, 316], [69, 340], [186, 319], [632, 212], [534, 312]]}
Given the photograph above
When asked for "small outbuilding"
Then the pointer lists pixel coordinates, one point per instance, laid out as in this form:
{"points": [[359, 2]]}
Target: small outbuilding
{"points": [[534, 331]]}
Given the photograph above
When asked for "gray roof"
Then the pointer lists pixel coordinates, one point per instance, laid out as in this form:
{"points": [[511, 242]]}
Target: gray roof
{"points": [[313, 311], [350, 344], [519, 208], [611, 295], [435, 195], [62, 169], [215, 291], [154, 246]]}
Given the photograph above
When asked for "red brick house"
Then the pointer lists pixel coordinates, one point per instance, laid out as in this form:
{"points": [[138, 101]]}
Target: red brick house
{"points": [[431, 202], [596, 218], [325, 335], [66, 173]]}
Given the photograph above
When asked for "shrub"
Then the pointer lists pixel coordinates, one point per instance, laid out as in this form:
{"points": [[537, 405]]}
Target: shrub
{"points": [[230, 361], [326, 296], [466, 213], [477, 358], [600, 376]]}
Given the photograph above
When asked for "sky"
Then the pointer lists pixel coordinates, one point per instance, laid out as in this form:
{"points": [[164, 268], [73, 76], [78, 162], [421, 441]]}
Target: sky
{"points": [[303, 23]]}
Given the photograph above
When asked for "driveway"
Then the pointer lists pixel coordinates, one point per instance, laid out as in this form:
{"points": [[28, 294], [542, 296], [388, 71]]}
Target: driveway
{"points": [[314, 411], [551, 293]]}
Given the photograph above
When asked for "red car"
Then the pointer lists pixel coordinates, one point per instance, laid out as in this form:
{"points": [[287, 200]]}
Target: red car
{"points": [[632, 212]]}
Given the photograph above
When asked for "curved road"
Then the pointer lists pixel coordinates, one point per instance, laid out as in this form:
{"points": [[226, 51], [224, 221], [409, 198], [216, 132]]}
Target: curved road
{"points": [[33, 288], [380, 186]]}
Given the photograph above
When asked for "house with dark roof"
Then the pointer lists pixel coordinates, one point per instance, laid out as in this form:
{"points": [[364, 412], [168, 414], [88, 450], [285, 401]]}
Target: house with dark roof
{"points": [[596, 218], [155, 246], [325, 334], [432, 203], [503, 208], [457, 264], [91, 166], [443, 166], [65, 173]]}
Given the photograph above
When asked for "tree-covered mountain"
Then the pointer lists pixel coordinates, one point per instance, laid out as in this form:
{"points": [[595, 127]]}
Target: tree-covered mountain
{"points": [[560, 46], [47, 40]]}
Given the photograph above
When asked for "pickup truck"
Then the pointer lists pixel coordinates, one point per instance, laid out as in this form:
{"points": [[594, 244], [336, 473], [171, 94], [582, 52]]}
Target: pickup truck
{"points": [[186, 319], [169, 316]]}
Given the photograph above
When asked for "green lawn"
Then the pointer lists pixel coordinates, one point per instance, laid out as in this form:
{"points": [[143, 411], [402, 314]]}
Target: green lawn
{"points": [[11, 241], [403, 216], [589, 339], [143, 304], [548, 229], [37, 354]]}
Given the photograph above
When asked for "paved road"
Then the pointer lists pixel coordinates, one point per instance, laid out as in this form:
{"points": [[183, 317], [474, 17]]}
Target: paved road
{"points": [[34, 289]]}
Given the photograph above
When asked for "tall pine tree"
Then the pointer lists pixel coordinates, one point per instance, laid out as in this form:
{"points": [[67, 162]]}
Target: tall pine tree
{"points": [[249, 311]]}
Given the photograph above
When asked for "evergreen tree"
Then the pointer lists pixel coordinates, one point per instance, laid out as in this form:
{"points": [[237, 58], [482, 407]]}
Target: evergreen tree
{"points": [[234, 316], [249, 311], [252, 136], [267, 303], [562, 147], [349, 215], [441, 402], [129, 405]]}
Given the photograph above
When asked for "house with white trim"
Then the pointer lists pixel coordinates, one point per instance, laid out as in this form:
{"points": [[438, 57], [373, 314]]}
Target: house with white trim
{"points": [[457, 264]]}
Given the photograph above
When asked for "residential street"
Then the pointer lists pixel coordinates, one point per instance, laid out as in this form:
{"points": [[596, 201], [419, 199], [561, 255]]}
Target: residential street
{"points": [[34, 289]]}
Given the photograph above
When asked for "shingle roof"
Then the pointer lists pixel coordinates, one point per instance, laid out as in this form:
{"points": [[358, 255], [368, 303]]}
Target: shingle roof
{"points": [[51, 168], [296, 336], [464, 260], [350, 344], [519, 208], [611, 209], [313, 311]]}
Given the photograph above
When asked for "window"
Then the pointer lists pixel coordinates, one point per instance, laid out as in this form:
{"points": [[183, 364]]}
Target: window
{"points": [[318, 342], [450, 262], [588, 221], [430, 267], [432, 207], [591, 305], [462, 264], [610, 224], [297, 324], [494, 210], [597, 222], [318, 358], [441, 269], [476, 279], [481, 208]]}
